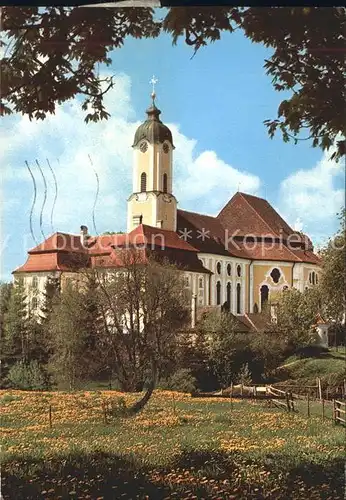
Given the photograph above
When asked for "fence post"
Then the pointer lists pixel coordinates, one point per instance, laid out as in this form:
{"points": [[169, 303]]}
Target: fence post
{"points": [[323, 409], [344, 388], [319, 388], [50, 417], [174, 408], [287, 401], [231, 395], [292, 401], [327, 393], [308, 404], [241, 390], [334, 412]]}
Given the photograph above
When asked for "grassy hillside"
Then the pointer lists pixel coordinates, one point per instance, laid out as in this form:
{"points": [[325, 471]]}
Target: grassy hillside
{"points": [[328, 364], [178, 447]]}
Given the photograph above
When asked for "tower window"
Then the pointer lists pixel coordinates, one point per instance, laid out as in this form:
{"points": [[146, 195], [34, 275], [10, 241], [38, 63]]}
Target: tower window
{"points": [[218, 293], [34, 282], [238, 298], [264, 295], [165, 183], [143, 147], [229, 269], [34, 303], [200, 282], [218, 268], [275, 274], [239, 270], [143, 182]]}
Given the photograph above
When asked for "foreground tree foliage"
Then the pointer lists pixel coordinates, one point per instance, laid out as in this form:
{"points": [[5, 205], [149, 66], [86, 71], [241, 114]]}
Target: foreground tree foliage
{"points": [[52, 54], [296, 317]]}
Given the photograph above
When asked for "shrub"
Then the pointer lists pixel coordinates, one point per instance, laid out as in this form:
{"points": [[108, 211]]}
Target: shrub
{"points": [[118, 407], [182, 381], [28, 376], [244, 375]]}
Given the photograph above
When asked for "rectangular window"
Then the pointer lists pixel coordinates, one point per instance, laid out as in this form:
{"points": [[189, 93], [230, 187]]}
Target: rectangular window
{"points": [[136, 220]]}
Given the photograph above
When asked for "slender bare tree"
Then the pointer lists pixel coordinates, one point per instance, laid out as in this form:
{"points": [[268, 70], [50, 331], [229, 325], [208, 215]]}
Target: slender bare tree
{"points": [[143, 304]]}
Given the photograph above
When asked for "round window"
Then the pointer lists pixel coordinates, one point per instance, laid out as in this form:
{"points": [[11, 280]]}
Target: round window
{"points": [[275, 274]]}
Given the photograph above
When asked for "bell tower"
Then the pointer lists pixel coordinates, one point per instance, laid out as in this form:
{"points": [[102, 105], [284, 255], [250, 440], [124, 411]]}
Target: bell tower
{"points": [[152, 201]]}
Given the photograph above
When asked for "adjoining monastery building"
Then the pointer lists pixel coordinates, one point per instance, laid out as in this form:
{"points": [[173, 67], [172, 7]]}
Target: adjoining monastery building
{"points": [[239, 259]]}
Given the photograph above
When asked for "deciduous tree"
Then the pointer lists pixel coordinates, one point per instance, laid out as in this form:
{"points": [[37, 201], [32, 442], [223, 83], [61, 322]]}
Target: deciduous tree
{"points": [[332, 284], [52, 55], [144, 305]]}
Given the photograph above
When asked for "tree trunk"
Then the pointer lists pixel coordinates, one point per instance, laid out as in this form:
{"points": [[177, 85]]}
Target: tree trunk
{"points": [[139, 405]]}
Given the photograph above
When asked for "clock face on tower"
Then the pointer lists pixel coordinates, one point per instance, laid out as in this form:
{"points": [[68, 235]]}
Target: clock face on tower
{"points": [[143, 147], [165, 148]]}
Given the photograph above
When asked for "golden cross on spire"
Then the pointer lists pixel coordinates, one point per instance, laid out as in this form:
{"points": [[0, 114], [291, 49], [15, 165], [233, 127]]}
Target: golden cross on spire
{"points": [[153, 81]]}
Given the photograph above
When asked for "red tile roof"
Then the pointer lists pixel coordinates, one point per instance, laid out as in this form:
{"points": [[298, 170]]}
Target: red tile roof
{"points": [[60, 241], [249, 214], [157, 237], [244, 215], [205, 233]]}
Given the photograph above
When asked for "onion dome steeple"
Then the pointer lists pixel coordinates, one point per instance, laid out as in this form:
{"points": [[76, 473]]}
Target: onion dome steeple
{"points": [[153, 130]]}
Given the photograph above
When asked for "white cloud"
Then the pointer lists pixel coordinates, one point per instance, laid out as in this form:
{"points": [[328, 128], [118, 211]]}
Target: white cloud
{"points": [[313, 197]]}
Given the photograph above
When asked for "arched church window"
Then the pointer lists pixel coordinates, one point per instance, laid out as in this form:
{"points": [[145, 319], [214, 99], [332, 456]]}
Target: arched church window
{"points": [[218, 293], [34, 281], [228, 291], [275, 275], [34, 303], [143, 182], [264, 295], [218, 268], [200, 283], [229, 269], [238, 298], [238, 270], [165, 183]]}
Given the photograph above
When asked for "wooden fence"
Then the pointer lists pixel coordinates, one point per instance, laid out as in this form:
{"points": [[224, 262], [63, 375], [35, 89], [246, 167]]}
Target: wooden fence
{"points": [[339, 410], [280, 399]]}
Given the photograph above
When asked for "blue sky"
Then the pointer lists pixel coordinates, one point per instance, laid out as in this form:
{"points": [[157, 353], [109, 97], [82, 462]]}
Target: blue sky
{"points": [[215, 105]]}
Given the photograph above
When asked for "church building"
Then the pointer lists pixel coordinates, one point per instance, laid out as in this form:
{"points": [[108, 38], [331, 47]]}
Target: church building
{"points": [[239, 258]]}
